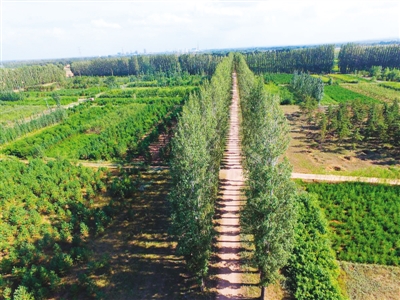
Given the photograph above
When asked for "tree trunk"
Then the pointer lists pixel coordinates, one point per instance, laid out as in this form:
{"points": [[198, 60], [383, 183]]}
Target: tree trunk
{"points": [[202, 285], [262, 293]]}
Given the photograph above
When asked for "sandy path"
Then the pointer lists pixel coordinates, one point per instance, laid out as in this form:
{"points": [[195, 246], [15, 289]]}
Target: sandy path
{"points": [[229, 276], [338, 178]]}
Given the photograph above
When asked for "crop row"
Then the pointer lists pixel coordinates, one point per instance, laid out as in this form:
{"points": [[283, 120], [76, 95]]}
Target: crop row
{"points": [[93, 132], [373, 91]]}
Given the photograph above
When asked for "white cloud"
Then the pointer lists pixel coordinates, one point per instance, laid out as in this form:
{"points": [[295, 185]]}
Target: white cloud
{"points": [[100, 23]]}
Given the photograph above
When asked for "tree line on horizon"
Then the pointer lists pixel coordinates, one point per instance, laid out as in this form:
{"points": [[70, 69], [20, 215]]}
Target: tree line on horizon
{"points": [[148, 65]]}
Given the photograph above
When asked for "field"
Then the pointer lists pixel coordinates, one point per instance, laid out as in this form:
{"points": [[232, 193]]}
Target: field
{"points": [[278, 78], [371, 90], [363, 220], [391, 85], [286, 97], [97, 203], [340, 94], [346, 78], [91, 131], [369, 281], [64, 213], [10, 113]]}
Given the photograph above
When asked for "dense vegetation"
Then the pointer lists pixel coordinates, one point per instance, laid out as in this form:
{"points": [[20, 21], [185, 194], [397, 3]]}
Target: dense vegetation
{"points": [[12, 79], [301, 248], [96, 131], [364, 220], [197, 150], [314, 60], [353, 57], [8, 134], [340, 94], [47, 211], [312, 271], [148, 65], [308, 86], [269, 213], [278, 78]]}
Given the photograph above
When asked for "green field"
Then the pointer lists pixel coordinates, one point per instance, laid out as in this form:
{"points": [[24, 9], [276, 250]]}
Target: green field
{"points": [[11, 113], [278, 78], [340, 94], [373, 90], [364, 220], [391, 85], [346, 78]]}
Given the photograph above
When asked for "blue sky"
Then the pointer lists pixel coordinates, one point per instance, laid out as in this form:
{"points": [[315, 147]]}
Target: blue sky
{"points": [[55, 29]]}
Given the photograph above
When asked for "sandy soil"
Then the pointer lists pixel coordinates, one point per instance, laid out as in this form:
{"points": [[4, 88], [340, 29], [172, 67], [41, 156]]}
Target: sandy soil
{"points": [[230, 279]]}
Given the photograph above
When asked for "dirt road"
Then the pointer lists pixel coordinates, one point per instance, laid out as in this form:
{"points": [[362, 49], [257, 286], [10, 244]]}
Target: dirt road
{"points": [[337, 178], [227, 266]]}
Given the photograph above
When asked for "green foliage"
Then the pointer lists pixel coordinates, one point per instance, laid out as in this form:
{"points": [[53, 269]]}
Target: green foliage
{"points": [[20, 128], [340, 95], [312, 271], [278, 78], [363, 122], [282, 91], [364, 220], [344, 78], [354, 57], [391, 85], [308, 86], [11, 96], [148, 65], [29, 76], [44, 209], [269, 214], [91, 131], [197, 150], [150, 92], [314, 59]]}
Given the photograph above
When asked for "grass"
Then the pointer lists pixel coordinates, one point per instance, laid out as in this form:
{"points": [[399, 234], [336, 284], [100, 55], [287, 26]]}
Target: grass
{"points": [[324, 78], [283, 92], [374, 171], [391, 85], [368, 282], [327, 100], [278, 78], [12, 113], [344, 78], [373, 90], [340, 94]]}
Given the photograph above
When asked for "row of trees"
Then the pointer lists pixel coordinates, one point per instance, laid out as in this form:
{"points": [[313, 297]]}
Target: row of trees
{"points": [[96, 132], [270, 211], [167, 64], [354, 57], [22, 127], [197, 150], [357, 122], [308, 86], [387, 74], [12, 79], [315, 60], [290, 232]]}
